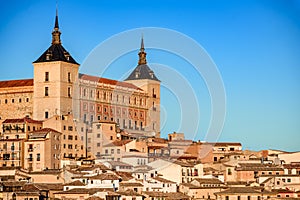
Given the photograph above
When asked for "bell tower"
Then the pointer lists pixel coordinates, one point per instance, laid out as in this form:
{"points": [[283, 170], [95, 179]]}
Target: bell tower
{"points": [[143, 77], [55, 75]]}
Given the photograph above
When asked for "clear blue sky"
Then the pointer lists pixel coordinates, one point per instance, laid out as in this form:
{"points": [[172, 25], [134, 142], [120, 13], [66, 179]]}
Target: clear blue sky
{"points": [[255, 45]]}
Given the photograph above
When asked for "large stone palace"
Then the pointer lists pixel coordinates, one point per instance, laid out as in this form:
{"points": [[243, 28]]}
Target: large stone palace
{"points": [[58, 89]]}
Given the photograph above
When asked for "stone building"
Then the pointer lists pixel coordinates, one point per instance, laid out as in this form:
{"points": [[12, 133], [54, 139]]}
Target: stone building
{"points": [[58, 89]]}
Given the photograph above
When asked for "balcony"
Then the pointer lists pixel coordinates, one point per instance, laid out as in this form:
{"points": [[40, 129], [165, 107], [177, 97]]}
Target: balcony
{"points": [[30, 150], [30, 159]]}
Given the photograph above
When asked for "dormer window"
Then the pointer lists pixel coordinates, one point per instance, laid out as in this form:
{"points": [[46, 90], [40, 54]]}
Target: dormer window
{"points": [[67, 55], [48, 55]]}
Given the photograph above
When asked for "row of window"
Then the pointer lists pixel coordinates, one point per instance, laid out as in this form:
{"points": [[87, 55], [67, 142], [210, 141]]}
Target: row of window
{"points": [[70, 137], [47, 77], [112, 151], [118, 98], [70, 146], [17, 100], [47, 91], [248, 198]]}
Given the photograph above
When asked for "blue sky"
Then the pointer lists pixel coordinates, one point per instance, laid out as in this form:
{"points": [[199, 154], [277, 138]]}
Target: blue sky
{"points": [[254, 44]]}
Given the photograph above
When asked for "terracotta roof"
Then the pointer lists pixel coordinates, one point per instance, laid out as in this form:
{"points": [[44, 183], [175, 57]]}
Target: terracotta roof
{"points": [[21, 120], [90, 168], [208, 181], [75, 183], [108, 81], [169, 195], [105, 176], [16, 83], [126, 176], [13, 183], [190, 186], [89, 191], [163, 180], [118, 163], [94, 198], [117, 143], [241, 190], [131, 184], [129, 193], [42, 133], [155, 194], [258, 167]]}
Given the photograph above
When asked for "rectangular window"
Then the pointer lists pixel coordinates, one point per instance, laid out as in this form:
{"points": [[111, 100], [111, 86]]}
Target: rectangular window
{"points": [[69, 77], [46, 115], [98, 135], [70, 128], [38, 157], [46, 91], [98, 144], [69, 92], [46, 76]]}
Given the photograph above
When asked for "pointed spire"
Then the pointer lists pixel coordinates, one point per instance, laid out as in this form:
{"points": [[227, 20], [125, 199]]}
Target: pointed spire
{"points": [[56, 33], [142, 53], [56, 20]]}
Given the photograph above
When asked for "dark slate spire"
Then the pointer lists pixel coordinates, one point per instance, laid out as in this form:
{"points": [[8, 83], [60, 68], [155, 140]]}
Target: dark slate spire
{"points": [[142, 71], [56, 20], [56, 33], [56, 52]]}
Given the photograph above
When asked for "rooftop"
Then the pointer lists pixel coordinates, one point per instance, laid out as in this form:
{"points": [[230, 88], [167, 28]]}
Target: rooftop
{"points": [[16, 83]]}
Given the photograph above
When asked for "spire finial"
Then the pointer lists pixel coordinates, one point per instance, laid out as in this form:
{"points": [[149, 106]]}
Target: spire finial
{"points": [[56, 33], [142, 44], [142, 53], [56, 19]]}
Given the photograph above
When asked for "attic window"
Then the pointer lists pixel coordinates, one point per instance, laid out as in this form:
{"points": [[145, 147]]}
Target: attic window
{"points": [[48, 55], [67, 55], [151, 74], [136, 74]]}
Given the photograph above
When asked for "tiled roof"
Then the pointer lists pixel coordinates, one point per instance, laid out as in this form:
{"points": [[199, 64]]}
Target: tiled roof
{"points": [[129, 193], [105, 176], [118, 163], [56, 52], [16, 83], [131, 184], [125, 176], [258, 167], [108, 81], [208, 181], [190, 186], [163, 180], [90, 191], [94, 198], [42, 133], [241, 190], [91, 168], [13, 183], [117, 143], [75, 183], [22, 120], [155, 194]]}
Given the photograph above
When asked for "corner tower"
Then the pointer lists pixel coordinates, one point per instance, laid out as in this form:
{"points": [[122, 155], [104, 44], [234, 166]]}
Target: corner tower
{"points": [[143, 77], [55, 73]]}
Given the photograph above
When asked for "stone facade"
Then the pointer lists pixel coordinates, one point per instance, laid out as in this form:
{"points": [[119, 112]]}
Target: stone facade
{"points": [[16, 98]]}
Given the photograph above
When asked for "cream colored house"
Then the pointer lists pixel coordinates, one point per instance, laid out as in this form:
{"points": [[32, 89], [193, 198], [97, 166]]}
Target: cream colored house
{"points": [[42, 150]]}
